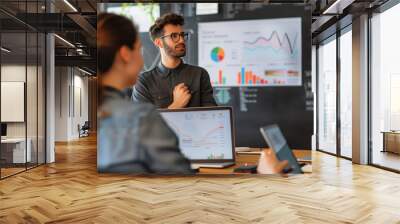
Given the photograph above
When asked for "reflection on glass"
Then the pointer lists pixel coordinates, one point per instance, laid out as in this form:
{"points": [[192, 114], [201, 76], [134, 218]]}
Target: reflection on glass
{"points": [[346, 94], [22, 90], [31, 101], [14, 146], [327, 97], [41, 99], [386, 89]]}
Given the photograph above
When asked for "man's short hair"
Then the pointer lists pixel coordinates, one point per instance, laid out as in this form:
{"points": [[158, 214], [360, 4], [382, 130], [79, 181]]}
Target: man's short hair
{"points": [[157, 29]]}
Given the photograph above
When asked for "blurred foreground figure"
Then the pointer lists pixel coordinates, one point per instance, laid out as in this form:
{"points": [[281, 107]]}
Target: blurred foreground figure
{"points": [[132, 138]]}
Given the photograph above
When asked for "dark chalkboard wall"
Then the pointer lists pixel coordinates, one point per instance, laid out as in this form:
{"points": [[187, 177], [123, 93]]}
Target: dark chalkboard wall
{"points": [[289, 107]]}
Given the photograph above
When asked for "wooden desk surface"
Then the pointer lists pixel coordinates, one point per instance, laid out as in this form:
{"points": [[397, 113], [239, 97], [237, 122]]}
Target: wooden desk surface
{"points": [[252, 159]]}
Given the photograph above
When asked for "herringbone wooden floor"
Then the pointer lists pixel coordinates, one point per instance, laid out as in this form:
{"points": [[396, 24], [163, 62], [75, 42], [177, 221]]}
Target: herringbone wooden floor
{"points": [[71, 191]]}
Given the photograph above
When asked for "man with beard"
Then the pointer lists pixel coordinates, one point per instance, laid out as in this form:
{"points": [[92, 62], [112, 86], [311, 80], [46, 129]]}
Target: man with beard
{"points": [[173, 84]]}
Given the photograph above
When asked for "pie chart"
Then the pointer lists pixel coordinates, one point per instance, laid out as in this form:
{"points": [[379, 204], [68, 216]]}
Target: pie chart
{"points": [[217, 54]]}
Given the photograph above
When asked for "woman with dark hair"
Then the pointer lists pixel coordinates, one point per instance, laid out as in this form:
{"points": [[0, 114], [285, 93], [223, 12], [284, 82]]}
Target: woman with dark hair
{"points": [[119, 53], [132, 138]]}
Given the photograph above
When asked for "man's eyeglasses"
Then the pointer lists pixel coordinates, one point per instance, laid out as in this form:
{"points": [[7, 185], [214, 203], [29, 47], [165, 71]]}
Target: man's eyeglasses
{"points": [[176, 36]]}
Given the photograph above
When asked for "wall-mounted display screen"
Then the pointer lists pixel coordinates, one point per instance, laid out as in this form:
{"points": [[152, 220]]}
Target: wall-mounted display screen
{"points": [[265, 52]]}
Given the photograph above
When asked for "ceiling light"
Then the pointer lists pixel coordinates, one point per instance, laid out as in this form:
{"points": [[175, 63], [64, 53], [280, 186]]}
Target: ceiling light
{"points": [[5, 50], [79, 51], [84, 71], [329, 9], [70, 5], [65, 41]]}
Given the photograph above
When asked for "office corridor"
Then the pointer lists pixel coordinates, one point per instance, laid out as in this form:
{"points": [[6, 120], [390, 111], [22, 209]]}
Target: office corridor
{"points": [[71, 191]]}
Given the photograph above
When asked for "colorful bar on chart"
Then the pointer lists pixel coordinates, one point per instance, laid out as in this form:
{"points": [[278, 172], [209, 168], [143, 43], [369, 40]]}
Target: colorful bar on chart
{"points": [[243, 78], [247, 77], [221, 80], [220, 76]]}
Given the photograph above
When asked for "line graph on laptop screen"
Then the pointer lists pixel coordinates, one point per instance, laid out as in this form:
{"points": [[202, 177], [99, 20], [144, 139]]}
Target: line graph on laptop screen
{"points": [[202, 134]]}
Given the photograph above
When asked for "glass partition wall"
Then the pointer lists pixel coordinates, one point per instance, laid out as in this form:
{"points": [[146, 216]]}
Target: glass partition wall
{"points": [[22, 78], [346, 75], [327, 96], [385, 89], [334, 102]]}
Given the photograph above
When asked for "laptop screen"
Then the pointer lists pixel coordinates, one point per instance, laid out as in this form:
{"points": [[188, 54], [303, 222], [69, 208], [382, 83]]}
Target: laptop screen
{"points": [[203, 134]]}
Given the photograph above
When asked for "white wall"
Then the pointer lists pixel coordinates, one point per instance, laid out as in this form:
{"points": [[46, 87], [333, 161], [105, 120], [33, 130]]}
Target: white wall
{"points": [[71, 94], [80, 114], [16, 73], [12, 101], [61, 103], [12, 73], [33, 127]]}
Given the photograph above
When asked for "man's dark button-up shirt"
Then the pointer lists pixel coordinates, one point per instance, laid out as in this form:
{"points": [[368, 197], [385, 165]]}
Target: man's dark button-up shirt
{"points": [[157, 85]]}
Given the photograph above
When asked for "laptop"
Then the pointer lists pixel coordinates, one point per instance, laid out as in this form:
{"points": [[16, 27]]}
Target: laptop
{"points": [[206, 135], [273, 136]]}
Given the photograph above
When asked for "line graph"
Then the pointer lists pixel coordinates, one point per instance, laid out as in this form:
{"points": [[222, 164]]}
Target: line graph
{"points": [[274, 48], [274, 41], [210, 138], [202, 135]]}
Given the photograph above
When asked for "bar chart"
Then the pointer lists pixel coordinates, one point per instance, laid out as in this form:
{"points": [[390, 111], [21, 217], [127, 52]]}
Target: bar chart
{"points": [[247, 77], [221, 79]]}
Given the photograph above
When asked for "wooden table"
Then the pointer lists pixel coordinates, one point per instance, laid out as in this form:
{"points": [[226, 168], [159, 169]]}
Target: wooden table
{"points": [[391, 141], [13, 151], [252, 159]]}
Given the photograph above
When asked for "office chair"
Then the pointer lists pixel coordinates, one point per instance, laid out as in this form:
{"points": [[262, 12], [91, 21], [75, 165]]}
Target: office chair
{"points": [[84, 130]]}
